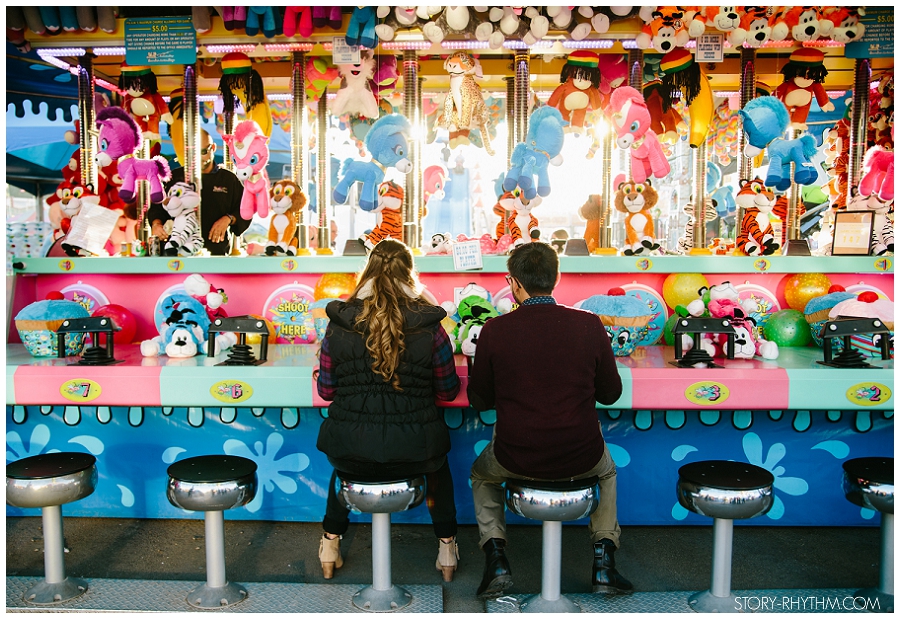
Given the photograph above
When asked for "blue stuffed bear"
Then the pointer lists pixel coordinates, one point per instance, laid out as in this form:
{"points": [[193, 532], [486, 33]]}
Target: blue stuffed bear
{"points": [[782, 153], [541, 147], [361, 29], [387, 143], [764, 119]]}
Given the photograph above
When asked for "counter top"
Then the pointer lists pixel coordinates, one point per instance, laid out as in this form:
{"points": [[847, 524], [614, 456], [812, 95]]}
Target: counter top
{"points": [[793, 381]]}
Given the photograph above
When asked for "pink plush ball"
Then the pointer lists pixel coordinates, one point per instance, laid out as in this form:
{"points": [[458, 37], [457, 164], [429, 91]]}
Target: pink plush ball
{"points": [[122, 318]]}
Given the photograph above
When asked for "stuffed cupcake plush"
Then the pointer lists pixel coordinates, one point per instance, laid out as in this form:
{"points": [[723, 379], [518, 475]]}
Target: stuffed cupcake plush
{"points": [[818, 308], [867, 305], [626, 318], [37, 324]]}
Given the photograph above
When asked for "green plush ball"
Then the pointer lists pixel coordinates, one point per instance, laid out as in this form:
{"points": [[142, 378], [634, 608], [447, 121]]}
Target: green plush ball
{"points": [[667, 330], [788, 327]]}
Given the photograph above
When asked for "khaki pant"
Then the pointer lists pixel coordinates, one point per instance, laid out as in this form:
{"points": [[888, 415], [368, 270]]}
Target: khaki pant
{"points": [[489, 494]]}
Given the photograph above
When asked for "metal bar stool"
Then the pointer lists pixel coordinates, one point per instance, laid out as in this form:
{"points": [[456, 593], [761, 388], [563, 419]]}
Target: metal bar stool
{"points": [[212, 484], [725, 491], [381, 499], [869, 482], [553, 503], [48, 481]]}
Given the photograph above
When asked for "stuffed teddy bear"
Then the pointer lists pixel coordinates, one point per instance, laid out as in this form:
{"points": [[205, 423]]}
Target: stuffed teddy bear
{"points": [[666, 28], [756, 236], [241, 82], [181, 204], [592, 212], [579, 89], [464, 107], [390, 217], [355, 97], [842, 24], [799, 151], [878, 174], [764, 119], [803, 76], [184, 330], [143, 101], [361, 28], [542, 146], [631, 121], [636, 200], [287, 200]]}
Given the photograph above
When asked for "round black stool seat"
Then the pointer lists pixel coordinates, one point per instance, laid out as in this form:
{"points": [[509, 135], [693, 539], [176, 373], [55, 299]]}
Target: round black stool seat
{"points": [[212, 483], [50, 479], [552, 500], [869, 482], [725, 489]]}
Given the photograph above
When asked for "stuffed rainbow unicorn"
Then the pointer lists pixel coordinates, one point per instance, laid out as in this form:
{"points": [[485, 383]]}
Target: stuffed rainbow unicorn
{"points": [[119, 138], [631, 121], [250, 152]]}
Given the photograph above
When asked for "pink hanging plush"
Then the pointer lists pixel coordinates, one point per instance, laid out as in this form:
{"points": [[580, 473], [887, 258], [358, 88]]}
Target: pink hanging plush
{"points": [[298, 20], [250, 150], [631, 120], [120, 137], [878, 174]]}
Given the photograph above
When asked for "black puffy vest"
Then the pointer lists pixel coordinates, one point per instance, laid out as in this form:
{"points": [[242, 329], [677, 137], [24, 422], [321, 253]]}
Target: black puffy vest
{"points": [[368, 421]]}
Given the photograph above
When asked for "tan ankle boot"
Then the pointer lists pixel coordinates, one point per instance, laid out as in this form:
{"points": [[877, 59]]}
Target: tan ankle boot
{"points": [[330, 555], [447, 559]]}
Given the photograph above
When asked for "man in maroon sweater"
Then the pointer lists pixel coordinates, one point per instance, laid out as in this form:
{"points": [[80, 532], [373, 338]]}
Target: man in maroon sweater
{"points": [[547, 426]]}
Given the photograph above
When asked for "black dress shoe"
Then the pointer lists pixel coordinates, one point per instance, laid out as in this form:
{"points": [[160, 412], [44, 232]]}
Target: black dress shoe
{"points": [[605, 577], [497, 575]]}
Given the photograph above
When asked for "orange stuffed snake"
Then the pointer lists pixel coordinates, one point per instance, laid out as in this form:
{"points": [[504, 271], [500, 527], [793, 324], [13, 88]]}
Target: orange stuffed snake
{"points": [[579, 89], [682, 72]]}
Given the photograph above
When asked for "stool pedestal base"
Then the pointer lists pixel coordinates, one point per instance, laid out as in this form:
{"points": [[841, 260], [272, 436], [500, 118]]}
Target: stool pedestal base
{"points": [[381, 601], [45, 593], [204, 596], [884, 604], [537, 604], [706, 602]]}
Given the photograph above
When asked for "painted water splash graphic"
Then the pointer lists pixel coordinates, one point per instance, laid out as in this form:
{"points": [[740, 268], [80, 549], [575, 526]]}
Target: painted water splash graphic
{"points": [[15, 448], [795, 486], [269, 468]]}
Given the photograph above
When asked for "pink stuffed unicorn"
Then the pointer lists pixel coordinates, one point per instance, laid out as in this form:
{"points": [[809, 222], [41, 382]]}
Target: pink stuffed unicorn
{"points": [[250, 151], [878, 174], [631, 120], [119, 138]]}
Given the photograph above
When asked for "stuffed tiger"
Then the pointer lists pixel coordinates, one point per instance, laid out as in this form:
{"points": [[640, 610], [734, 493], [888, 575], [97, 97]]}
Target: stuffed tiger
{"points": [[286, 200], [756, 237], [506, 205], [686, 242], [390, 218], [521, 219], [186, 238]]}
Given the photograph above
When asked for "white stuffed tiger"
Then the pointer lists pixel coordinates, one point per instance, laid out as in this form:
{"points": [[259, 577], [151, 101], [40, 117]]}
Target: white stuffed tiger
{"points": [[186, 238], [686, 242], [883, 224]]}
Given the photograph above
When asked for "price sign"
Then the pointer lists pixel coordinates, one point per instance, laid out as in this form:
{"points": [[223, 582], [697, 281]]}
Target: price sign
{"points": [[467, 256], [160, 40], [80, 390], [878, 39], [341, 53], [711, 48]]}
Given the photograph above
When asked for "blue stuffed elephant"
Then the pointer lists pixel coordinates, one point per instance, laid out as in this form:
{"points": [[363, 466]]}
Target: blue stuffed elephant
{"points": [[782, 153], [532, 157], [361, 29]]}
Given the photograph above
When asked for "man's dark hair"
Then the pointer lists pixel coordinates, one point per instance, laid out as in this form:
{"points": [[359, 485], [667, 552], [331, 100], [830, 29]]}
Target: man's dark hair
{"points": [[536, 266]]}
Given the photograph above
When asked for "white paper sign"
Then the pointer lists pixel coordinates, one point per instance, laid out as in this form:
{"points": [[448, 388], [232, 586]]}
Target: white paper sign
{"points": [[91, 227], [341, 53], [467, 256], [710, 48]]}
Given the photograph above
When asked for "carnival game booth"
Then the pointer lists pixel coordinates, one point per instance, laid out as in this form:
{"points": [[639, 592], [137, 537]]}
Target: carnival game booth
{"points": [[670, 155]]}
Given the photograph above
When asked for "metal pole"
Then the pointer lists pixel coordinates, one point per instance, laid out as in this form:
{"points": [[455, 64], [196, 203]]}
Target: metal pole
{"points": [[522, 90], [699, 241], [191, 123], [608, 192], [227, 128], [142, 199], [417, 165], [552, 559], [381, 552], [510, 134], [214, 525], [723, 535], [54, 557], [86, 113], [323, 167], [748, 93], [886, 576], [299, 164], [860, 115], [636, 68], [412, 182], [793, 211]]}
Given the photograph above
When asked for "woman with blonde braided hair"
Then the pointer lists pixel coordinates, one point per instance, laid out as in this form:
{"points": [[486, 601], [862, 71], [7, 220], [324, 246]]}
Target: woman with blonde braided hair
{"points": [[384, 359]]}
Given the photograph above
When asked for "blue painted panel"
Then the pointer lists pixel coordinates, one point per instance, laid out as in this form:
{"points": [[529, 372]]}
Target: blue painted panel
{"points": [[134, 450]]}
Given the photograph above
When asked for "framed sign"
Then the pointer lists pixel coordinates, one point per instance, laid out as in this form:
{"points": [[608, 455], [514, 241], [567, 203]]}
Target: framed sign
{"points": [[852, 233]]}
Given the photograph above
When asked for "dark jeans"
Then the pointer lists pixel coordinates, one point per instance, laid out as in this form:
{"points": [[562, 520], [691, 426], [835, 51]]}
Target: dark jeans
{"points": [[438, 497]]}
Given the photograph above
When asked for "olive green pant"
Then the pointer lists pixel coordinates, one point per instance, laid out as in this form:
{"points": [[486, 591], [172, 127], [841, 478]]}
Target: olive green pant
{"points": [[489, 494]]}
